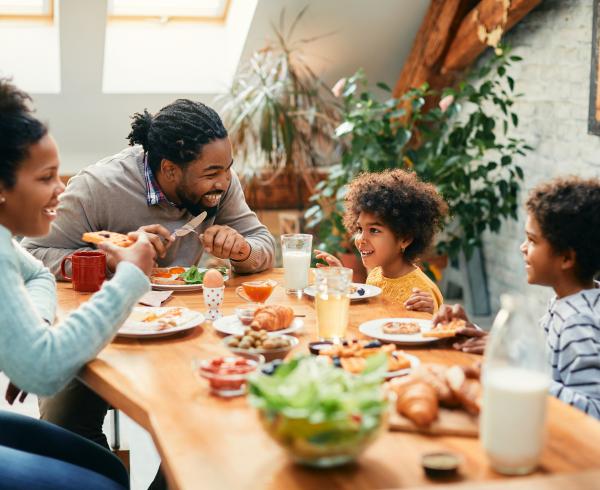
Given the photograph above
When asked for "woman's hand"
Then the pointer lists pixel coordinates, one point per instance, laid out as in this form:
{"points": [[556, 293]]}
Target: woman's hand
{"points": [[141, 254], [332, 260], [470, 338], [420, 301]]}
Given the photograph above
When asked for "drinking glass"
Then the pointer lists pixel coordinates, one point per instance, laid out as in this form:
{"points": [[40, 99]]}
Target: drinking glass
{"points": [[332, 302], [296, 251]]}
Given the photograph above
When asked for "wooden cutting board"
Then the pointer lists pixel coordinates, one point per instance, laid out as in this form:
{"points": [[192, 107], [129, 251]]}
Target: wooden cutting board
{"points": [[449, 423]]}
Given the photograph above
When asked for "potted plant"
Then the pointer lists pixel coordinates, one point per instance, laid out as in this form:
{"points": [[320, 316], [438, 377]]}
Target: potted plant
{"points": [[282, 118], [459, 147]]}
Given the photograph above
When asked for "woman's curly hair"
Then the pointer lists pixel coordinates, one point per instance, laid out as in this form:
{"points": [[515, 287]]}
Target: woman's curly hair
{"points": [[568, 212], [409, 207]]}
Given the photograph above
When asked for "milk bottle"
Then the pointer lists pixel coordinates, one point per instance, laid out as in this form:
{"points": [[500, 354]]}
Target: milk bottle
{"points": [[515, 389]]}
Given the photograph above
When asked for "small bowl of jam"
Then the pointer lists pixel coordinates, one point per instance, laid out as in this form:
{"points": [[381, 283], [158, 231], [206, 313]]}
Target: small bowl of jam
{"points": [[227, 375]]}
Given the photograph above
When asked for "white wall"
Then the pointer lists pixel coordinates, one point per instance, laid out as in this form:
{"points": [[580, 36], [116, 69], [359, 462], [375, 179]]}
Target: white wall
{"points": [[89, 124], [555, 42]]}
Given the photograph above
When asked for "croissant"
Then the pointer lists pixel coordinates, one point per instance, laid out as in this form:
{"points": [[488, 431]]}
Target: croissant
{"points": [[465, 389], [272, 317], [417, 401]]}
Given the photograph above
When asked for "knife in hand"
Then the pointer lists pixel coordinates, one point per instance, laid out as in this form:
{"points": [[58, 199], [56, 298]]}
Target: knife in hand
{"points": [[190, 226]]}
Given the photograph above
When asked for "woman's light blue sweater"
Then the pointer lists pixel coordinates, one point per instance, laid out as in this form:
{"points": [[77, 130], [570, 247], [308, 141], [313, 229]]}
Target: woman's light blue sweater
{"points": [[41, 359]]}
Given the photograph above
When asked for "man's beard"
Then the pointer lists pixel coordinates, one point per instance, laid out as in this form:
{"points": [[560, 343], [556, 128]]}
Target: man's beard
{"points": [[194, 207]]}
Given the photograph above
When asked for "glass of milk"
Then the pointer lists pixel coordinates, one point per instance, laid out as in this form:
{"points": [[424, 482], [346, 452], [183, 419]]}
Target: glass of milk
{"points": [[296, 251], [515, 390]]}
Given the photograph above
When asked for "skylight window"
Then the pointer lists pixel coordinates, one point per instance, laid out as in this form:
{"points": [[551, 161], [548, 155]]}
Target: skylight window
{"points": [[26, 9], [200, 10]]}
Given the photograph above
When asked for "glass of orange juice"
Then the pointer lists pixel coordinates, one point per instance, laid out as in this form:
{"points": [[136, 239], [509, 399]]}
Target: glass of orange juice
{"points": [[332, 302], [256, 291]]}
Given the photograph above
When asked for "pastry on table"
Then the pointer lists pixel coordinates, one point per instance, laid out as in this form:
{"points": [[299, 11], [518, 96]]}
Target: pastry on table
{"points": [[401, 328], [272, 318], [444, 330], [416, 400]]}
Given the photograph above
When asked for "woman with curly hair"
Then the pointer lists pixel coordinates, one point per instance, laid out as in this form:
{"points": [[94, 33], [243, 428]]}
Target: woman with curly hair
{"points": [[394, 216]]}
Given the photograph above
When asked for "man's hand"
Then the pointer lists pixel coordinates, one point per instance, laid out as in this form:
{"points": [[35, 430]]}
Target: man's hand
{"points": [[141, 253], [331, 260], [470, 338], [225, 243], [160, 238], [420, 301]]}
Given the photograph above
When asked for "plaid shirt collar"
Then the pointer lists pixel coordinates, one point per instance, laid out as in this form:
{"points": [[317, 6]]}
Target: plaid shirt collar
{"points": [[154, 194]]}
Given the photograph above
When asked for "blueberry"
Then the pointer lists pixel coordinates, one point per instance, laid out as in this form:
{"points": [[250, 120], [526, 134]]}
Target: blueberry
{"points": [[337, 362], [373, 345], [270, 368], [360, 291]]}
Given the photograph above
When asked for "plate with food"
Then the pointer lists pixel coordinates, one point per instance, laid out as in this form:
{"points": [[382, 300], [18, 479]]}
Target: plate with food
{"points": [[158, 322], [406, 331], [358, 291], [352, 356], [275, 319], [185, 278]]}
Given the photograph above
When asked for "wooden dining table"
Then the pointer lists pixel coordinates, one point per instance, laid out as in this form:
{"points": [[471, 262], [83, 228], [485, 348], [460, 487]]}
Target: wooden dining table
{"points": [[215, 443]]}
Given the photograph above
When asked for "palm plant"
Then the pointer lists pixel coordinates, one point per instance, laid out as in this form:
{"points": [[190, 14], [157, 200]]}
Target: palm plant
{"points": [[278, 112]]}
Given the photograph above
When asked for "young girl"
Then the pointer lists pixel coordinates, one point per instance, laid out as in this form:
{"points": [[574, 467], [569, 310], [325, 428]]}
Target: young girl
{"points": [[394, 217]]}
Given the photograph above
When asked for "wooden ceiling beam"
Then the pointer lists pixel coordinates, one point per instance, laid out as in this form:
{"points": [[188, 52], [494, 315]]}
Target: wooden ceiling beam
{"points": [[429, 49], [483, 27]]}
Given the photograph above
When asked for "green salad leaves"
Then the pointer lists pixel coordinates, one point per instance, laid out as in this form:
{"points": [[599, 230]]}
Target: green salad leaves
{"points": [[311, 388], [196, 276]]}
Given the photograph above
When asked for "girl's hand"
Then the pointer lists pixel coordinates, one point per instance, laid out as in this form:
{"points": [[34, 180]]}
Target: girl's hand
{"points": [[420, 301], [332, 261]]}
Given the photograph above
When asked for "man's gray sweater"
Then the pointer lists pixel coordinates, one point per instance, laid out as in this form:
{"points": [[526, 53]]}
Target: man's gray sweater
{"points": [[111, 195]]}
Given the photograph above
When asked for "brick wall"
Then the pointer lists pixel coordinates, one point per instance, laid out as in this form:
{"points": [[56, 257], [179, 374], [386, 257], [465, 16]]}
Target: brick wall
{"points": [[555, 41]]}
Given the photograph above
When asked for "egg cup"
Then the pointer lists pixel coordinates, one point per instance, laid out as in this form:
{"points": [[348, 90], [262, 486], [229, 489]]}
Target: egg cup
{"points": [[213, 297]]}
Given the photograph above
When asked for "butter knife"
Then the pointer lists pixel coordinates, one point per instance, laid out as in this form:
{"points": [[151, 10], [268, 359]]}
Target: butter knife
{"points": [[190, 226]]}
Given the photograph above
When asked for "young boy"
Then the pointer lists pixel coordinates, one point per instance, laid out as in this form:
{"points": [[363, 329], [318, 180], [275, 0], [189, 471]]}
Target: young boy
{"points": [[562, 251]]}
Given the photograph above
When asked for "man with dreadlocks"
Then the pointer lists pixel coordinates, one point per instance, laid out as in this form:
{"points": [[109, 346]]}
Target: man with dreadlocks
{"points": [[178, 166]]}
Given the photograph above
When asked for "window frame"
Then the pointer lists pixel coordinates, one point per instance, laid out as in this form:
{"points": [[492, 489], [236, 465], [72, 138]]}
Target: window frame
{"points": [[220, 19], [47, 17]]}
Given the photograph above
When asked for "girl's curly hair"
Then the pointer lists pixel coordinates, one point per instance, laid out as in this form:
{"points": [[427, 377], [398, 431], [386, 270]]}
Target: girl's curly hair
{"points": [[409, 207]]}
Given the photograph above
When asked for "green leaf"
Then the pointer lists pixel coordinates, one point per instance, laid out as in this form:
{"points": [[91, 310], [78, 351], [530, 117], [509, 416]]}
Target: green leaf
{"points": [[344, 128], [384, 86], [515, 119]]}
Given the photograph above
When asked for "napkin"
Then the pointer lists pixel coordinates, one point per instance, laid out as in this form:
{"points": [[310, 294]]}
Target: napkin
{"points": [[155, 298]]}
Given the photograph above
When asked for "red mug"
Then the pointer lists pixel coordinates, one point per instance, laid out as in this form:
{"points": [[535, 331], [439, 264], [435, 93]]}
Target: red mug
{"points": [[88, 270]]}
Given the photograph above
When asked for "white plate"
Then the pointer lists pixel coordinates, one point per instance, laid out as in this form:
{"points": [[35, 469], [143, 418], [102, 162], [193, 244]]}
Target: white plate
{"points": [[180, 287], [231, 325], [374, 329], [370, 291], [135, 328], [414, 363]]}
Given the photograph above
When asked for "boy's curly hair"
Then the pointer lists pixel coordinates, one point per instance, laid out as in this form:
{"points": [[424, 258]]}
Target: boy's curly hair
{"points": [[568, 212], [409, 207]]}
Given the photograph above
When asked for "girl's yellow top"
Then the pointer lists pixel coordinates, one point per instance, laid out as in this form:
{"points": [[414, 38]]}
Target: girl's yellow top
{"points": [[399, 289]]}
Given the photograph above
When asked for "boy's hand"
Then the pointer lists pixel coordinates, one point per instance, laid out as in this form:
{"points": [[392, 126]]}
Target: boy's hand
{"points": [[420, 301], [332, 261], [471, 339]]}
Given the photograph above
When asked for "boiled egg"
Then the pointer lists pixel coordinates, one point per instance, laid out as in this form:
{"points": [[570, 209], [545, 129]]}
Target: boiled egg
{"points": [[213, 279]]}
